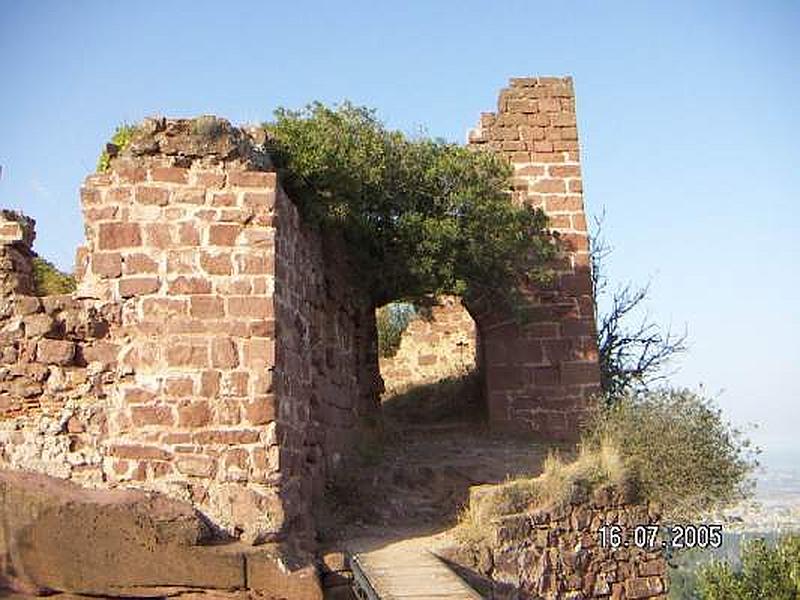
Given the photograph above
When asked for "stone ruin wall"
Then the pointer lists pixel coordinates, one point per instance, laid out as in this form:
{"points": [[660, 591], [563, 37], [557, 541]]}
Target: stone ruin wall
{"points": [[539, 377], [433, 347], [215, 351], [181, 364]]}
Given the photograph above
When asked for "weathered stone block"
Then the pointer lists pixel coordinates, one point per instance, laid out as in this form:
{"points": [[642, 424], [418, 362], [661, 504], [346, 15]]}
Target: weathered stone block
{"points": [[137, 543], [55, 352]]}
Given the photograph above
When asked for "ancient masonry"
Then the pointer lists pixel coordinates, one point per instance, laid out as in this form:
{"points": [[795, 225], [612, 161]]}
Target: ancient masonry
{"points": [[552, 552], [216, 349], [209, 353], [539, 376]]}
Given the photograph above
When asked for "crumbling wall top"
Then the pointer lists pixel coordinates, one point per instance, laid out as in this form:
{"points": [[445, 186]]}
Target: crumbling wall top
{"points": [[183, 141]]}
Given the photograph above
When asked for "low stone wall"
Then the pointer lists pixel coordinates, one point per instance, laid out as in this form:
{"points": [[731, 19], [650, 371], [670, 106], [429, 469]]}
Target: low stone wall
{"points": [[555, 553], [433, 347]]}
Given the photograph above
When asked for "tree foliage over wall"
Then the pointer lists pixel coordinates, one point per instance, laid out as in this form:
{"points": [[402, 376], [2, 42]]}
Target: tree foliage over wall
{"points": [[421, 216]]}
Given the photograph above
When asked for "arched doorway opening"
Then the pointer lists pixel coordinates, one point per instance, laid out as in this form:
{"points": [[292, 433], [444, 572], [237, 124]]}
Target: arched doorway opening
{"points": [[429, 362]]}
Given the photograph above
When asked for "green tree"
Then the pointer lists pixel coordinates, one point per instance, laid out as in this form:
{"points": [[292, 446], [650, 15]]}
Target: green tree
{"points": [[766, 571], [420, 216]]}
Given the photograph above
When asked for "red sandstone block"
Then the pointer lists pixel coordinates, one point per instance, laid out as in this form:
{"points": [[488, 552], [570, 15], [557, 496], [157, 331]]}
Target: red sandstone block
{"points": [[55, 352], [134, 395], [98, 179], [138, 286], [106, 264], [557, 350], [158, 235], [577, 327], [106, 213], [228, 437], [210, 179], [563, 119], [179, 386], [258, 353], [543, 146], [196, 466], [530, 171], [236, 458], [579, 222], [113, 236], [235, 286], [119, 195], [189, 285], [560, 222], [136, 264], [549, 105], [575, 283], [546, 376], [139, 451], [151, 195], [130, 174], [563, 203], [141, 416], [224, 234], [189, 196], [216, 264], [252, 179], [223, 199], [256, 264], [505, 378], [164, 307], [569, 133], [548, 157], [576, 186], [513, 146], [188, 234], [248, 306], [521, 157], [170, 174], [549, 186], [209, 384], [194, 414], [560, 145], [101, 352], [91, 196], [564, 170], [207, 307], [580, 372], [574, 241], [235, 383], [191, 353], [224, 354]]}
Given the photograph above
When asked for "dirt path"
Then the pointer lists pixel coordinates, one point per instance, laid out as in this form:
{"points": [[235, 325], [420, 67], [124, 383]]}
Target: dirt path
{"points": [[419, 483]]}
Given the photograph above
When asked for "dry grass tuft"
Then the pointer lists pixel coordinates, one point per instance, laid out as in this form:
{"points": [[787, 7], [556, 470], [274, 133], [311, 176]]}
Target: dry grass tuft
{"points": [[559, 484]]}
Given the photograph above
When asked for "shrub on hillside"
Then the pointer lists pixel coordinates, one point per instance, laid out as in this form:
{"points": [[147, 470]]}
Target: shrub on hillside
{"points": [[680, 449], [766, 572]]}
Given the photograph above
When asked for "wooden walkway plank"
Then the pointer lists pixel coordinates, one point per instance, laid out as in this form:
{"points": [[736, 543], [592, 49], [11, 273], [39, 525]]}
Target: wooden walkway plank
{"points": [[398, 572]]}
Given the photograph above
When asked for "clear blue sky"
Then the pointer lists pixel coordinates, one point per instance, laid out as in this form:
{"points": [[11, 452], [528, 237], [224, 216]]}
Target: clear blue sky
{"points": [[688, 115]]}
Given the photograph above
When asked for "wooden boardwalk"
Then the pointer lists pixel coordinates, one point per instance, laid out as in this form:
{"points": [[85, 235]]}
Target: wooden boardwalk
{"points": [[402, 571]]}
